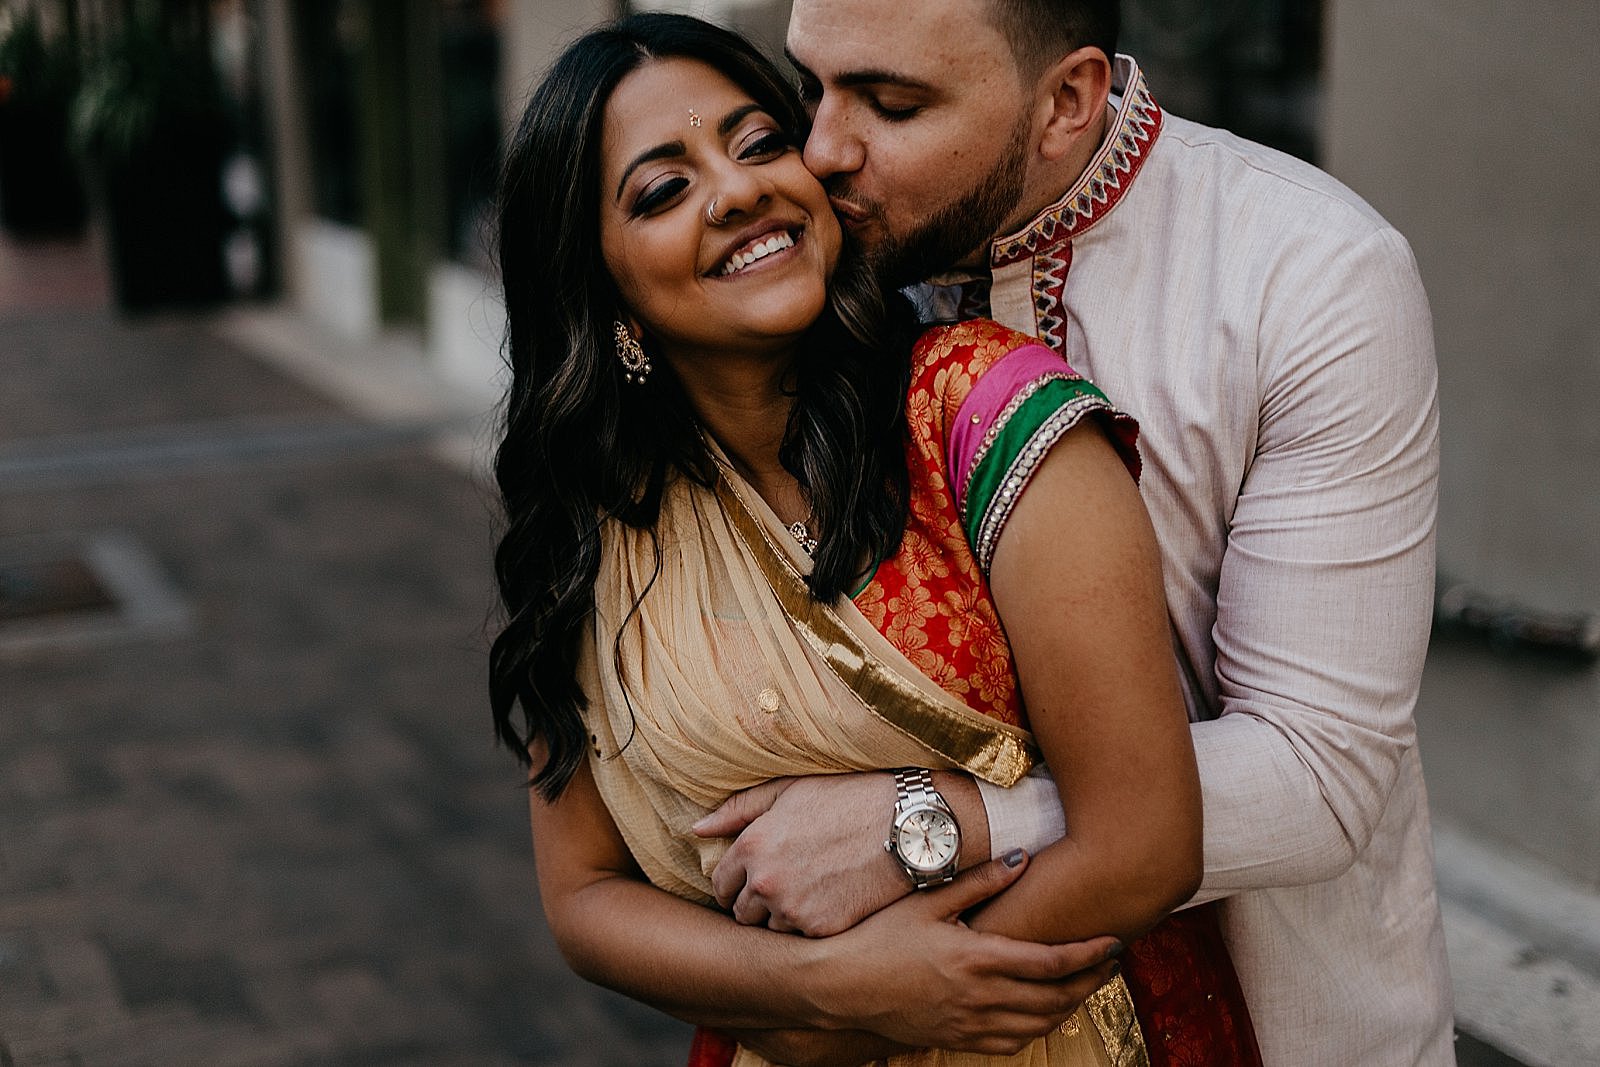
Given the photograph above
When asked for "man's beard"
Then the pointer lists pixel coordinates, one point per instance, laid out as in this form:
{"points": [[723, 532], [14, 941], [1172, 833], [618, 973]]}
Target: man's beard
{"points": [[957, 230]]}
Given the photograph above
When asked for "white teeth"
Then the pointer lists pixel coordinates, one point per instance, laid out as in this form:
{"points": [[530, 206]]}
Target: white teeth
{"points": [[760, 250]]}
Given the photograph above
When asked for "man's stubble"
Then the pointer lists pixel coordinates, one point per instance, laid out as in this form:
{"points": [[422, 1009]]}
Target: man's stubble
{"points": [[956, 233]]}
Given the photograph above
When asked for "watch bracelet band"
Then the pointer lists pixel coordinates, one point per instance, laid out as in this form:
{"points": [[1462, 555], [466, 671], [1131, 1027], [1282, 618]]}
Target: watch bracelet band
{"points": [[913, 786]]}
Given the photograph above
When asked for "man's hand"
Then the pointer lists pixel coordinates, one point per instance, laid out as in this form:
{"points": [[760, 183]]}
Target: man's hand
{"points": [[809, 855], [915, 974]]}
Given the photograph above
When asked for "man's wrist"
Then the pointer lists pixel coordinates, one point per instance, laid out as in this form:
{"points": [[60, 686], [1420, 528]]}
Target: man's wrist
{"points": [[1026, 816], [960, 791]]}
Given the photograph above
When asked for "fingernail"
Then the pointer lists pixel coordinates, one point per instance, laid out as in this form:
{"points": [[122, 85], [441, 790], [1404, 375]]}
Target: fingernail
{"points": [[1116, 969], [1116, 948], [1014, 858]]}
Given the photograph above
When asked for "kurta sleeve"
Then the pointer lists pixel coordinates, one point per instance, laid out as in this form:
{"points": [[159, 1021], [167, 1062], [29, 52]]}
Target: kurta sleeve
{"points": [[1326, 588]]}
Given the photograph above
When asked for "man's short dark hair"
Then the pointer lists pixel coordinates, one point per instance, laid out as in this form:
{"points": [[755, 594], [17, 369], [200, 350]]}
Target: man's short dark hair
{"points": [[1042, 31]]}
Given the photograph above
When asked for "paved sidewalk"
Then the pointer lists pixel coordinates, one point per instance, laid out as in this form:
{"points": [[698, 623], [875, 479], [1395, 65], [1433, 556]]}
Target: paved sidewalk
{"points": [[250, 808]]}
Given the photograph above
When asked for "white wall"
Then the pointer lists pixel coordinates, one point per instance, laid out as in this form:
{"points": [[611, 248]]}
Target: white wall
{"points": [[764, 21], [466, 325], [1474, 126], [535, 33]]}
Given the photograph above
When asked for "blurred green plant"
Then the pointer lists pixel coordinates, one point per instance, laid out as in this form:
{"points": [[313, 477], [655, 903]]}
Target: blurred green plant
{"points": [[41, 193], [33, 68], [150, 122], [140, 84]]}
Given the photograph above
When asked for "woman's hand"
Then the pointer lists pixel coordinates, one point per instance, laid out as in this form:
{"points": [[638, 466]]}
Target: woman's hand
{"points": [[916, 974], [981, 997]]}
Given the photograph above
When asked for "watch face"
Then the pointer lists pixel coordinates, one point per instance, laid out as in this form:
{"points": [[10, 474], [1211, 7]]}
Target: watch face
{"points": [[927, 840]]}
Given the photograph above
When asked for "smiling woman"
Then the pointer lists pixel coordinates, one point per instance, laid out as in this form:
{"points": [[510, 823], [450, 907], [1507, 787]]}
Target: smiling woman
{"points": [[616, 205]]}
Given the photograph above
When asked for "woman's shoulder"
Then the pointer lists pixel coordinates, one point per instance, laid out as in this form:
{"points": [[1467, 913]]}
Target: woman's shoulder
{"points": [[980, 356], [975, 345], [990, 403]]}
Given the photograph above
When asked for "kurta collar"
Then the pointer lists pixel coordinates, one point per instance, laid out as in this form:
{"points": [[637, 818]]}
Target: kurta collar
{"points": [[1025, 285], [1132, 131]]}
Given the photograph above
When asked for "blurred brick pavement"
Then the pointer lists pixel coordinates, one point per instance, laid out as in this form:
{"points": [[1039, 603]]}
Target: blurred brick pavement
{"points": [[279, 835], [53, 273]]}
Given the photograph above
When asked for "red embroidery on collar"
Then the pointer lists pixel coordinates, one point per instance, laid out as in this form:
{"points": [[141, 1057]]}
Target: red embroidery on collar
{"points": [[1103, 182], [1050, 268]]}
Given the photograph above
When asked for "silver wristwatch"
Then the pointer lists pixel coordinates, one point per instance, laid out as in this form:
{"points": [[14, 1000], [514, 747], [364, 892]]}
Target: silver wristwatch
{"points": [[924, 836]]}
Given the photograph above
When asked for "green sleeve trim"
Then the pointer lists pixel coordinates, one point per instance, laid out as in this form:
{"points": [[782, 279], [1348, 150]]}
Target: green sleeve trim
{"points": [[1016, 449]]}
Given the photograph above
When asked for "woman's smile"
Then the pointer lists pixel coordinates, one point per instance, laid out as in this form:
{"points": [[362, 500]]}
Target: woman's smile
{"points": [[765, 248]]}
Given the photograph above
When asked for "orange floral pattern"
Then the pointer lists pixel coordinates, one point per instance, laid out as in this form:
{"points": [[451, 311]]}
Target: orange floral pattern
{"points": [[930, 599]]}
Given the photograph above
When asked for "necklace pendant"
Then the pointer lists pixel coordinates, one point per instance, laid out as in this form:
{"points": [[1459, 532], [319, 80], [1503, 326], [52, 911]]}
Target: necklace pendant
{"points": [[808, 544]]}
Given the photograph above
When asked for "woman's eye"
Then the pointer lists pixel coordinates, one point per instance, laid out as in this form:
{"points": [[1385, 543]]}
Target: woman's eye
{"points": [[772, 143], [659, 195]]}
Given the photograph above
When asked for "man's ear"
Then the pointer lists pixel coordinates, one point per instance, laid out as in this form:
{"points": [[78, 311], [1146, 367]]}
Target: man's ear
{"points": [[1072, 96]]}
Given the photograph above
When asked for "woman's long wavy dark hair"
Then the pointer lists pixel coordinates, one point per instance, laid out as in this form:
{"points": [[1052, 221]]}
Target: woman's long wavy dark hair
{"points": [[581, 446]]}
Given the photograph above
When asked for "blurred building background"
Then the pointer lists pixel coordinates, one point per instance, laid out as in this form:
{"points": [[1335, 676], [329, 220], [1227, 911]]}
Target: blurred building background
{"points": [[315, 176]]}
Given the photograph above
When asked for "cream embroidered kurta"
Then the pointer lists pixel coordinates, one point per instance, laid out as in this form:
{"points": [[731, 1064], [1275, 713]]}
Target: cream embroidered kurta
{"points": [[1269, 331]]}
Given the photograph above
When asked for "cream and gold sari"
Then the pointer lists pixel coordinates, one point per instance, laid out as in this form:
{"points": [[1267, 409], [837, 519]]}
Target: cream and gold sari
{"points": [[727, 674]]}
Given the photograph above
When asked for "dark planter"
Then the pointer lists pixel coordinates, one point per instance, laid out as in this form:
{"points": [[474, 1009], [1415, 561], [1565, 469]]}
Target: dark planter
{"points": [[40, 191], [165, 222]]}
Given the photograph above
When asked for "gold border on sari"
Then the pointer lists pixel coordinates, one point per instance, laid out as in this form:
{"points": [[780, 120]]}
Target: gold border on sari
{"points": [[994, 751], [1111, 1010]]}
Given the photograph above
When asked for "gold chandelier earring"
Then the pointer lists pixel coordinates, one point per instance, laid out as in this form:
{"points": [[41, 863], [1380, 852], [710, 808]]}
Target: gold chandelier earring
{"points": [[635, 363]]}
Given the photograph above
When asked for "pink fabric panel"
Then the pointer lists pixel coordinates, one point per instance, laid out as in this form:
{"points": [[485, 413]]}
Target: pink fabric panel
{"points": [[989, 396]]}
